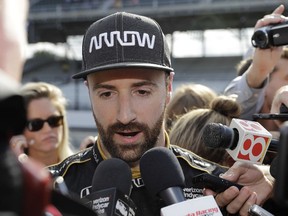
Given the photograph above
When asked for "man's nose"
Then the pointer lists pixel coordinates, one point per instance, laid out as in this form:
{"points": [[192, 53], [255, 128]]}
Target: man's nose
{"points": [[126, 111]]}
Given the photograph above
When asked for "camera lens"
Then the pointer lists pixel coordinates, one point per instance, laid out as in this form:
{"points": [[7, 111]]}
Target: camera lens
{"points": [[260, 39]]}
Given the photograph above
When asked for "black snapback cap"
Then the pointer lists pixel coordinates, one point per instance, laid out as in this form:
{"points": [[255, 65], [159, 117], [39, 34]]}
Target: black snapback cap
{"points": [[124, 40]]}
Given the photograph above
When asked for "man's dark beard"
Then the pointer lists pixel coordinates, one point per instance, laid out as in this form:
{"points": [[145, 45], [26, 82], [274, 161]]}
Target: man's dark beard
{"points": [[150, 138]]}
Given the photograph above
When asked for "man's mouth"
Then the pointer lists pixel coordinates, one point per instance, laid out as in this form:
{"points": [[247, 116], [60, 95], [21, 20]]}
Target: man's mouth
{"points": [[128, 137], [128, 134]]}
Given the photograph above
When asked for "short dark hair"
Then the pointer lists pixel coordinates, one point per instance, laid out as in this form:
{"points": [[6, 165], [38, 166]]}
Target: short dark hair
{"points": [[243, 65]]}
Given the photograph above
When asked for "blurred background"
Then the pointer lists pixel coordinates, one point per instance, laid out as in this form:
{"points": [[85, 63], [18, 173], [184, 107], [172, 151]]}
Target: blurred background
{"points": [[207, 39]]}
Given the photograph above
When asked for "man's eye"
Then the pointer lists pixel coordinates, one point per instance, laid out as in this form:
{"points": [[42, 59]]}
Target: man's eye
{"points": [[105, 94], [143, 92]]}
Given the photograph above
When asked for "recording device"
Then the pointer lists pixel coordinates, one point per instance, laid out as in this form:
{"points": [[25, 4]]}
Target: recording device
{"points": [[111, 188], [31, 187], [281, 189], [244, 140], [12, 185], [12, 106], [274, 166], [69, 206], [226, 136], [270, 36], [16, 177], [273, 116], [282, 116], [26, 185], [163, 177], [256, 210], [213, 182]]}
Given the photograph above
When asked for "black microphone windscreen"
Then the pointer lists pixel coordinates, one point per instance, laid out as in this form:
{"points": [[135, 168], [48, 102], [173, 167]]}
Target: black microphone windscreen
{"points": [[274, 167], [160, 170], [216, 135], [70, 206], [112, 173], [12, 106]]}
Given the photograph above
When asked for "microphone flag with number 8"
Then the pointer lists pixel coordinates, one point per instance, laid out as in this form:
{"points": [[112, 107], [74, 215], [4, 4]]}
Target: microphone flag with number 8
{"points": [[253, 141]]}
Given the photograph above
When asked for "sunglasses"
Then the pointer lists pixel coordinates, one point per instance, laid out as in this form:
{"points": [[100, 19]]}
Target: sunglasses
{"points": [[37, 124]]}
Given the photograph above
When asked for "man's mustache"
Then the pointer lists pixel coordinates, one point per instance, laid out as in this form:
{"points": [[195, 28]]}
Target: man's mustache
{"points": [[129, 126]]}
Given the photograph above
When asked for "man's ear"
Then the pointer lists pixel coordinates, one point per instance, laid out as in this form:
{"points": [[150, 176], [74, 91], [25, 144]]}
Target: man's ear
{"points": [[170, 87], [86, 83]]}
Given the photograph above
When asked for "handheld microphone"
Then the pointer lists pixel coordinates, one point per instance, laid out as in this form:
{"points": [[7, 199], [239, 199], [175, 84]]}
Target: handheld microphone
{"points": [[163, 177], [244, 140], [68, 205], [274, 167], [111, 188], [40, 198], [281, 189]]}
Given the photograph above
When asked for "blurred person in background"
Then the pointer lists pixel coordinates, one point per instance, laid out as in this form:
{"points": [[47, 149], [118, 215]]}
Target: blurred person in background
{"points": [[24, 184], [256, 87], [13, 36], [185, 98], [187, 131], [46, 135]]}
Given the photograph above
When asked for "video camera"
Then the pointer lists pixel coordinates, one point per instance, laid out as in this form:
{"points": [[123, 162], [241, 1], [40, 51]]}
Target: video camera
{"points": [[270, 36]]}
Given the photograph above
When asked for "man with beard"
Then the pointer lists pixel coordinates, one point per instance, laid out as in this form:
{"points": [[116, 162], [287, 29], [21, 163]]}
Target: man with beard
{"points": [[127, 69]]}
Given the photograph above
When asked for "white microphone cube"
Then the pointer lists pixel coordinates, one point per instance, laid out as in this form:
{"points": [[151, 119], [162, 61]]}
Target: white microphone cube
{"points": [[205, 205], [253, 143]]}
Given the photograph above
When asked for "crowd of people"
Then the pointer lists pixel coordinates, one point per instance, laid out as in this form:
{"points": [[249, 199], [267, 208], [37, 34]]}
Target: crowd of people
{"points": [[134, 108]]}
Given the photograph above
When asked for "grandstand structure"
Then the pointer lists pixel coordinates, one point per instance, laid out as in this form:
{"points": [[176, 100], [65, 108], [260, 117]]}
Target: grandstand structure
{"points": [[55, 21]]}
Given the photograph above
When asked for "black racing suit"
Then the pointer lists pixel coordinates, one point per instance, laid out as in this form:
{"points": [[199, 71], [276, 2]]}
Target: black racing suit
{"points": [[78, 170]]}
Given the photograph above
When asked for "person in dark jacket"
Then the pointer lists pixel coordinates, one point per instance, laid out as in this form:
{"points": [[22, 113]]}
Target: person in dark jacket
{"points": [[128, 73]]}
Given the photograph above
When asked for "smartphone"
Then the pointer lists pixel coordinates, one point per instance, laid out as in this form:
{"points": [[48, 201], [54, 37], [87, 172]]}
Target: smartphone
{"points": [[213, 182], [256, 210]]}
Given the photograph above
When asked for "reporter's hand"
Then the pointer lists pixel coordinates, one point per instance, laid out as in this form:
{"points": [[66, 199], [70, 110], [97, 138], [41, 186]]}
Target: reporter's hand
{"points": [[264, 60], [258, 187]]}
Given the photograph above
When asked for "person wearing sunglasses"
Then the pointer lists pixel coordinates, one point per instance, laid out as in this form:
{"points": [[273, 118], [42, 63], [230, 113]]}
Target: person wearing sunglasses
{"points": [[126, 67], [46, 135]]}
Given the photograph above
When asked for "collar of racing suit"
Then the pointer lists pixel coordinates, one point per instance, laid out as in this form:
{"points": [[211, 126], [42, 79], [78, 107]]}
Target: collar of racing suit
{"points": [[135, 171]]}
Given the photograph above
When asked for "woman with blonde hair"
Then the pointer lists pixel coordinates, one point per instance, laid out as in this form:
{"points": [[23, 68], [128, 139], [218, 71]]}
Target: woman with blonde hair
{"points": [[46, 136], [187, 131], [186, 98]]}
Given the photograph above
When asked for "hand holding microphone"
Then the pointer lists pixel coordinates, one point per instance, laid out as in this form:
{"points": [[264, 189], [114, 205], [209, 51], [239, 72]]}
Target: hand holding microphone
{"points": [[258, 187], [163, 177], [244, 140]]}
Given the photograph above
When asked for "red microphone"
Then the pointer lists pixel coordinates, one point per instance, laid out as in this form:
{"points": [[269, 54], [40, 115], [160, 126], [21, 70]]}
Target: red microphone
{"points": [[37, 185]]}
